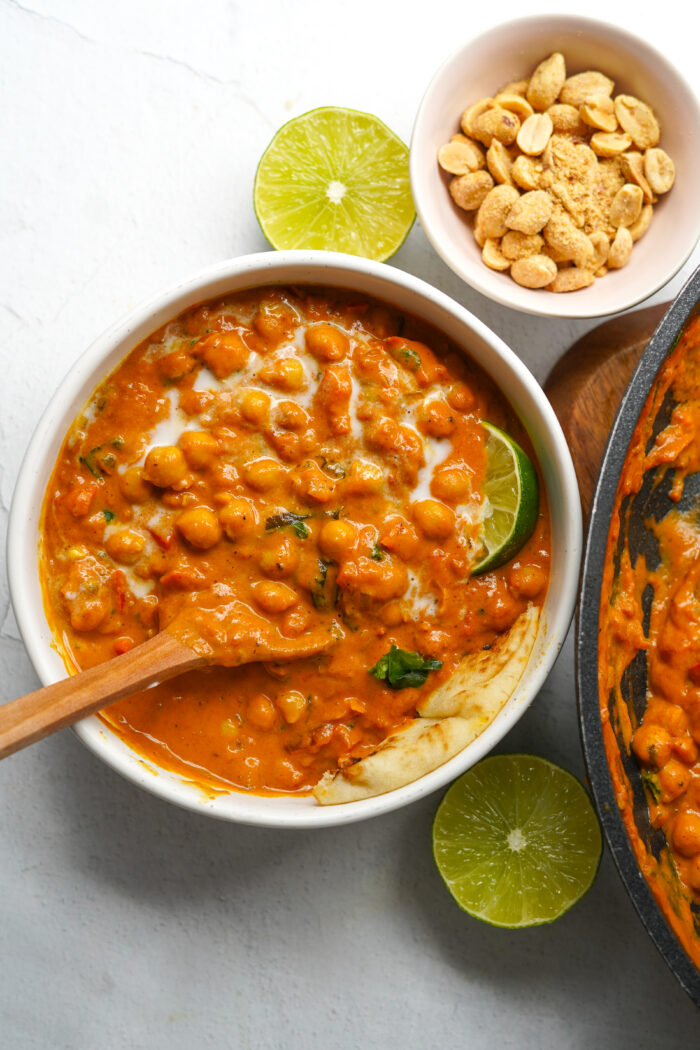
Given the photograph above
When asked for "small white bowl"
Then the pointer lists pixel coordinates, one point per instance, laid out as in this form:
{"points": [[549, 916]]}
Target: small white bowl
{"points": [[297, 267], [510, 52]]}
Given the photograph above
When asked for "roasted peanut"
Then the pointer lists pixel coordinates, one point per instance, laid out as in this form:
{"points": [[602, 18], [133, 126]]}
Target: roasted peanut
{"points": [[535, 134], [459, 158], [499, 163], [530, 212], [491, 216], [638, 120], [599, 112], [546, 82], [626, 205], [493, 256], [582, 87], [534, 271], [610, 144], [620, 249], [571, 280], [496, 123], [468, 191], [515, 245], [659, 170]]}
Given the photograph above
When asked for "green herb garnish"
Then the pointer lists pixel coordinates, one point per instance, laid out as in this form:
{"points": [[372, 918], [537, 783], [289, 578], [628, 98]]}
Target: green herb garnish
{"points": [[651, 783], [108, 515], [294, 521], [318, 596], [403, 670], [410, 358], [377, 554]]}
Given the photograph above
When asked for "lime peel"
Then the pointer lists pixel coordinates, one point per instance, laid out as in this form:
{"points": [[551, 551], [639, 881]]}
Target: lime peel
{"points": [[512, 491], [335, 179], [517, 841]]}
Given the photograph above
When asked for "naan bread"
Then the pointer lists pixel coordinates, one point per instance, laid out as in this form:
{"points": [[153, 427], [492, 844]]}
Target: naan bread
{"points": [[485, 679], [452, 716], [405, 755]]}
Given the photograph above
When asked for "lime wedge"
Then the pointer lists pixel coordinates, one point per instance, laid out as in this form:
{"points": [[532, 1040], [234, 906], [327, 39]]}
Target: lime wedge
{"points": [[335, 179], [513, 500], [516, 841]]}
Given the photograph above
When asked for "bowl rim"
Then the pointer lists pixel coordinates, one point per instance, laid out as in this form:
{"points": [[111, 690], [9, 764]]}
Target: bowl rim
{"points": [[257, 270], [566, 305], [660, 345]]}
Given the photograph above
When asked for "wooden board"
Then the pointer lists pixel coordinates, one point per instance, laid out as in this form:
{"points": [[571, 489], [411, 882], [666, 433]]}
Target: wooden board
{"points": [[586, 386]]}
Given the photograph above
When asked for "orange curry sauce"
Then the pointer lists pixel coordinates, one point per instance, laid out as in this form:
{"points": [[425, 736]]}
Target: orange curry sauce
{"points": [[317, 455], [666, 741]]}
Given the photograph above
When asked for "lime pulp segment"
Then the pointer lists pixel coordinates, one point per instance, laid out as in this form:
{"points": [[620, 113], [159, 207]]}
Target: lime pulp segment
{"points": [[335, 179], [512, 491], [517, 841]]}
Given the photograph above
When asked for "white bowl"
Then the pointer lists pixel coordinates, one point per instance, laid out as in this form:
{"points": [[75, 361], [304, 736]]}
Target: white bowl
{"points": [[510, 52], [407, 293]]}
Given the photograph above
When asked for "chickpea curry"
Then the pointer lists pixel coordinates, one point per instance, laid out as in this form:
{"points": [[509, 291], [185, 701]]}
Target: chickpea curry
{"points": [[319, 457], [650, 612]]}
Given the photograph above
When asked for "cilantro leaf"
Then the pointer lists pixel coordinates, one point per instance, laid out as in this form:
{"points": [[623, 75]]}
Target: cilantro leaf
{"points": [[294, 521], [108, 515], [403, 670], [377, 553]]}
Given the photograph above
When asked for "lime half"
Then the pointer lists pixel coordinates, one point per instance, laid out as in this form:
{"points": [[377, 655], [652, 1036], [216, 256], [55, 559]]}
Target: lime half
{"points": [[335, 179], [517, 841], [513, 499]]}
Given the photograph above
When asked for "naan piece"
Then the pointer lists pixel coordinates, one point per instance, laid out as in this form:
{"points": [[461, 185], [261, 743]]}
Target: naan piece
{"points": [[452, 716], [485, 679], [409, 753]]}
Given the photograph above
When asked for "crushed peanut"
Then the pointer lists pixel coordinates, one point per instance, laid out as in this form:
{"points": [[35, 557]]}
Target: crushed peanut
{"points": [[560, 175]]}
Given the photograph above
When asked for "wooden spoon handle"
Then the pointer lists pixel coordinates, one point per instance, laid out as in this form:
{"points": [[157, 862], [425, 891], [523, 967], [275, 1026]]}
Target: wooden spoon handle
{"points": [[32, 717]]}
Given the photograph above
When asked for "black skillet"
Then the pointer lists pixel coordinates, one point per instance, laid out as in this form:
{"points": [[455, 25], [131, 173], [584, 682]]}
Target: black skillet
{"points": [[651, 501]]}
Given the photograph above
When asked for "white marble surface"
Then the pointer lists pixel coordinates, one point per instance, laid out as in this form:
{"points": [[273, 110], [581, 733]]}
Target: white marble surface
{"points": [[130, 134]]}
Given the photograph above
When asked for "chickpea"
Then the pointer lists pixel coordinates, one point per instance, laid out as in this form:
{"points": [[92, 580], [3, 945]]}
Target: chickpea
{"points": [[652, 745], [436, 418], [261, 711], [327, 342], [313, 485], [435, 520], [337, 538], [686, 834], [461, 397], [363, 478], [673, 779], [86, 613], [125, 546], [224, 354], [238, 518], [287, 774], [280, 558], [399, 536], [392, 614], [165, 465], [451, 483], [686, 749], [134, 486], [263, 474], [275, 321], [292, 704], [292, 416], [526, 581], [284, 373], [255, 406], [670, 716], [274, 597], [295, 622], [199, 526], [199, 448]]}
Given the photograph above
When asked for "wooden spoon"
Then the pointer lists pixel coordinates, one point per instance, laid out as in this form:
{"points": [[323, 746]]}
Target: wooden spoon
{"points": [[191, 640]]}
